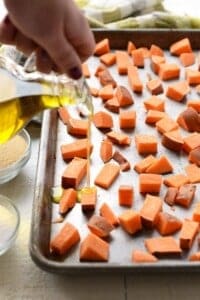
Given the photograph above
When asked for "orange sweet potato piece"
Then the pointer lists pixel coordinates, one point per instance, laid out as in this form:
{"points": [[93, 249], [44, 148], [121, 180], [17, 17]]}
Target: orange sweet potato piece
{"points": [[108, 59], [134, 79], [163, 246], [194, 104], [78, 148], [166, 124], [85, 70], [196, 213], [65, 239], [154, 103], [138, 57], [74, 173], [193, 77], [142, 165], [125, 195], [107, 175], [146, 144], [139, 256], [106, 212], [194, 156], [181, 46], [102, 120], [64, 115], [99, 69], [124, 97], [156, 50], [106, 92], [119, 138], [155, 86], [88, 198], [188, 233], [173, 140], [154, 116], [168, 71], [176, 180], [106, 78], [193, 173], [94, 92], [178, 91], [130, 221], [123, 61], [195, 256], [161, 165], [100, 226], [77, 127], [122, 161], [156, 61], [102, 47], [106, 150], [150, 210], [191, 142], [189, 120], [167, 224], [127, 119], [94, 248], [146, 52], [187, 59], [130, 47], [150, 183], [112, 105], [67, 201], [185, 195], [170, 195]]}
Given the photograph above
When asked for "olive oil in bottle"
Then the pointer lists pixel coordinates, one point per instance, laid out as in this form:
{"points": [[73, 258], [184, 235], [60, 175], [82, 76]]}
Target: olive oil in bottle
{"points": [[17, 112]]}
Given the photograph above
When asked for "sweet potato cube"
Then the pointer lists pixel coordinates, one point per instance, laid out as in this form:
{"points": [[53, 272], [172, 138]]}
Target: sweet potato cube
{"points": [[67, 201], [154, 103], [125, 195], [102, 47], [139, 256], [74, 173], [188, 232], [194, 156], [181, 46], [166, 124], [149, 212], [173, 140], [106, 212], [187, 59], [191, 142], [88, 198], [77, 127], [130, 221], [168, 71], [154, 116], [167, 224], [78, 148], [176, 180], [124, 97], [100, 226], [150, 183], [107, 175], [163, 246], [178, 91], [146, 144], [65, 239], [142, 165], [102, 120], [193, 173], [185, 195], [127, 119], [94, 248], [138, 57], [170, 195]]}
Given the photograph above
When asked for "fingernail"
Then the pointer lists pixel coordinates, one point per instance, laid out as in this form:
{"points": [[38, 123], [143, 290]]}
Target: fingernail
{"points": [[75, 73]]}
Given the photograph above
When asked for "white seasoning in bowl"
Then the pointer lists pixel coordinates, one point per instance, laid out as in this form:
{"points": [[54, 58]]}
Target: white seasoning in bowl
{"points": [[12, 151], [7, 225]]}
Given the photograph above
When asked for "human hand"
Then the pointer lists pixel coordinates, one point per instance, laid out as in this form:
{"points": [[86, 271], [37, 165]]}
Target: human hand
{"points": [[55, 29]]}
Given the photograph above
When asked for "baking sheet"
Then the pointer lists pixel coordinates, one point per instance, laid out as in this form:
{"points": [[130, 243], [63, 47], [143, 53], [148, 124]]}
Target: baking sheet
{"points": [[51, 166]]}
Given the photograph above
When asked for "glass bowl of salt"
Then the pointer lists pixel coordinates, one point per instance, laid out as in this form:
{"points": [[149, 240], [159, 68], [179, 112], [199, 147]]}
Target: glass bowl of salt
{"points": [[14, 154], [9, 223]]}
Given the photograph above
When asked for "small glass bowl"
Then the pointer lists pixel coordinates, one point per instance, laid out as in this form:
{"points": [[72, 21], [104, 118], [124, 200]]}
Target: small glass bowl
{"points": [[10, 172], [9, 223]]}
